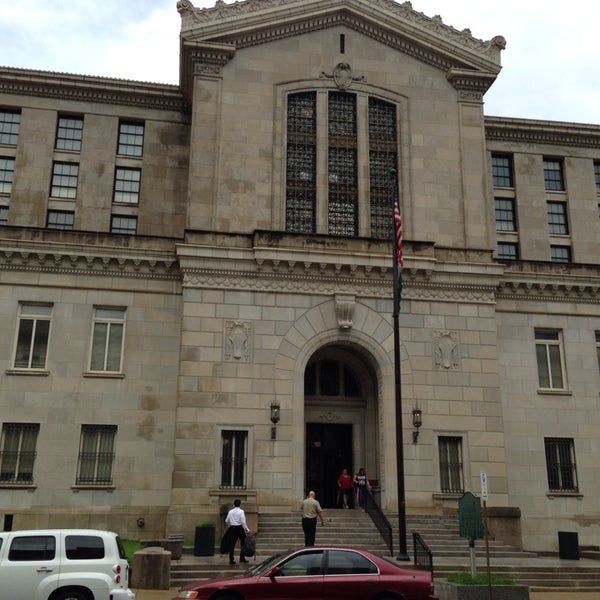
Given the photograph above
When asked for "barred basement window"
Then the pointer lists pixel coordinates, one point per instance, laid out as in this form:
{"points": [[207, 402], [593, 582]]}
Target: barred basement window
{"points": [[18, 452], [234, 459], [96, 455], [451, 464], [560, 465]]}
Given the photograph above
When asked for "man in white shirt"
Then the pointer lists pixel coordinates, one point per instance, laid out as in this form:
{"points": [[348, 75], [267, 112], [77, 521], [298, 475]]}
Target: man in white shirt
{"points": [[236, 519]]}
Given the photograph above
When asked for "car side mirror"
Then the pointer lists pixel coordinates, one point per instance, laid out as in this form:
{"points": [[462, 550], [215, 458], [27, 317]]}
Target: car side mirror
{"points": [[274, 572]]}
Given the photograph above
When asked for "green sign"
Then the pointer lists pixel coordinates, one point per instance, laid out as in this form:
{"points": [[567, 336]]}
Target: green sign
{"points": [[470, 523]]}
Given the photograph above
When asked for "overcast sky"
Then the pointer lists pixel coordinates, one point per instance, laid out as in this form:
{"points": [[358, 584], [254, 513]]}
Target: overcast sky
{"points": [[550, 64]]}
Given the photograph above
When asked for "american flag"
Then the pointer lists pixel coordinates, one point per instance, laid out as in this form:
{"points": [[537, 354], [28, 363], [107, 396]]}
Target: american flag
{"points": [[398, 234]]}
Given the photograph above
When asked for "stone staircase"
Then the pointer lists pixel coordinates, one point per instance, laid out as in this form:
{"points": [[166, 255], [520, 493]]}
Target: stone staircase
{"points": [[281, 531]]}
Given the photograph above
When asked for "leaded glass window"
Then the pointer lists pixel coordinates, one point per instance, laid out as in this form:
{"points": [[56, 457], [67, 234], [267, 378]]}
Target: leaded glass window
{"points": [[301, 174]]}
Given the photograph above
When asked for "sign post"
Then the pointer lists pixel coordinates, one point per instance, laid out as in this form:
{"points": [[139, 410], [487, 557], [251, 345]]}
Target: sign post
{"points": [[484, 497], [470, 524]]}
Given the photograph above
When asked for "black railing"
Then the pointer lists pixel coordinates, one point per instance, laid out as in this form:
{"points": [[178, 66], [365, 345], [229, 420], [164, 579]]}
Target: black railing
{"points": [[422, 553], [373, 509]]}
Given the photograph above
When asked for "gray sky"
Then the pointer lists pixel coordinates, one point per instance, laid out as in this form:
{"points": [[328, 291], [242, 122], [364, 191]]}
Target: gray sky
{"points": [[550, 64]]}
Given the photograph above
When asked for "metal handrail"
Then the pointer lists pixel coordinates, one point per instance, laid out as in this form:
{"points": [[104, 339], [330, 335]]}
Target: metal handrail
{"points": [[379, 519], [422, 553]]}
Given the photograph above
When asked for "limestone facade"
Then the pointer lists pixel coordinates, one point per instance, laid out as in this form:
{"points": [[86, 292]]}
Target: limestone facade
{"points": [[225, 310]]}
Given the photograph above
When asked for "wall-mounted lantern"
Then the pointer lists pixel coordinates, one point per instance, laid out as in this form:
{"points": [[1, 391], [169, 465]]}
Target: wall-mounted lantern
{"points": [[417, 415]]}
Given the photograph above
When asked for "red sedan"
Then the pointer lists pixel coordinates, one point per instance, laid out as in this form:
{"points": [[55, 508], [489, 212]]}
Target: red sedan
{"points": [[318, 573]]}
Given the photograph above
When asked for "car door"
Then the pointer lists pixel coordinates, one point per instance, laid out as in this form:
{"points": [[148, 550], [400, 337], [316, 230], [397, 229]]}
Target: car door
{"points": [[298, 577], [349, 575], [28, 563]]}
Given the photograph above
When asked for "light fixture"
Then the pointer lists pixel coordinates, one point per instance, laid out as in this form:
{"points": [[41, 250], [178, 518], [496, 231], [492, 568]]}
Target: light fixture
{"points": [[275, 416], [417, 422]]}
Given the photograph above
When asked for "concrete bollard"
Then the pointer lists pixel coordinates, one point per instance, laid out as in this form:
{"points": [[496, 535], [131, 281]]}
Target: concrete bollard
{"points": [[151, 569]]}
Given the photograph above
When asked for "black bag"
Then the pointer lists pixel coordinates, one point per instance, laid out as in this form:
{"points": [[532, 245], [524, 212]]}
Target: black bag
{"points": [[249, 547], [226, 541]]}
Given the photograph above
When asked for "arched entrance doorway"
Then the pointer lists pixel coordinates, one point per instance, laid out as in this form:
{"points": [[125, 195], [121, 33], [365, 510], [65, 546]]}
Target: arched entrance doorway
{"points": [[340, 398]]}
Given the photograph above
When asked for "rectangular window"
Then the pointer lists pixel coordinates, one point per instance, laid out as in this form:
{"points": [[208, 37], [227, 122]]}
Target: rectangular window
{"points": [[560, 465], [505, 214], [598, 347], [553, 174], [131, 139], [451, 464], [233, 459], [502, 170], [69, 133], [301, 163], [549, 353], [342, 165], [18, 452], [10, 123], [3, 215], [32, 336], [557, 218], [60, 219], [96, 455], [597, 175], [7, 174], [508, 250], [560, 253], [32, 548], [127, 185], [64, 180], [123, 224], [107, 339], [383, 161]]}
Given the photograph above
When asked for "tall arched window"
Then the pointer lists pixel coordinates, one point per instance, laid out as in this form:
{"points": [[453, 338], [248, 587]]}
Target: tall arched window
{"points": [[350, 142]]}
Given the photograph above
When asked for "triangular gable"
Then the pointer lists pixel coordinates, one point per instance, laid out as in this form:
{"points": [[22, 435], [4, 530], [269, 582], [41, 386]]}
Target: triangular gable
{"points": [[253, 22]]}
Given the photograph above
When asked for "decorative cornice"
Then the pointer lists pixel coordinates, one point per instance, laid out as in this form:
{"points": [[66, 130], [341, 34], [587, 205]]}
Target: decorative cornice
{"points": [[84, 88], [192, 16], [542, 132], [471, 85]]}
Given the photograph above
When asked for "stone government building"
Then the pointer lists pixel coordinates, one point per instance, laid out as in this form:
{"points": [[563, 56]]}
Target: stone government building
{"points": [[180, 264]]}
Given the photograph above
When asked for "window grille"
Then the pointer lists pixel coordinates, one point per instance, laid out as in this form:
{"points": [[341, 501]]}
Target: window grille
{"points": [[383, 163], [451, 464], [18, 452], [96, 455], [234, 459], [560, 465]]}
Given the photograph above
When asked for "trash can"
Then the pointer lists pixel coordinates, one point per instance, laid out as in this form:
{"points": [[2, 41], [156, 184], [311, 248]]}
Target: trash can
{"points": [[568, 545], [175, 545]]}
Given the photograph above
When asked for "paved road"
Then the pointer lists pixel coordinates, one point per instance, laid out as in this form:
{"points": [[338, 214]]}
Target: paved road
{"points": [[567, 595]]}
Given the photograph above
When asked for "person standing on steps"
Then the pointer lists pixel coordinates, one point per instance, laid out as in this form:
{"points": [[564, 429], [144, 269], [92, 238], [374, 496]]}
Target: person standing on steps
{"points": [[311, 510], [362, 485], [236, 519], [345, 485]]}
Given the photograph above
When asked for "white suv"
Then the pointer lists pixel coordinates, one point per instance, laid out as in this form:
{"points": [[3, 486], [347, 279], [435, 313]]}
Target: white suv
{"points": [[63, 564]]}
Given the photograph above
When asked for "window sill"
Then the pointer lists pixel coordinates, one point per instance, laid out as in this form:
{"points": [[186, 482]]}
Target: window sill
{"points": [[447, 495], [553, 392], [6, 485], [565, 494], [92, 486], [105, 374], [35, 372]]}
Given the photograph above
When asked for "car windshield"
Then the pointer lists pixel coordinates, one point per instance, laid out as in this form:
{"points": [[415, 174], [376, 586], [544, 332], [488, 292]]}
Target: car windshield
{"points": [[265, 564]]}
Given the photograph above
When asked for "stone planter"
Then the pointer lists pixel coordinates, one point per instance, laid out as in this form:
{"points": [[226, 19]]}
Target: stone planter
{"points": [[454, 591]]}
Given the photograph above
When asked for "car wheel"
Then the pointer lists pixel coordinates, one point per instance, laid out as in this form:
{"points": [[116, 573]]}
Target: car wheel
{"points": [[71, 595]]}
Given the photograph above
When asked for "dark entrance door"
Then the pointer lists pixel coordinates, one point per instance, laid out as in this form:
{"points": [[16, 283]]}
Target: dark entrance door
{"points": [[328, 451]]}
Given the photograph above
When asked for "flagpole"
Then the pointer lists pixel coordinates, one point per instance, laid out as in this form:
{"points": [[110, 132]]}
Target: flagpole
{"points": [[402, 549]]}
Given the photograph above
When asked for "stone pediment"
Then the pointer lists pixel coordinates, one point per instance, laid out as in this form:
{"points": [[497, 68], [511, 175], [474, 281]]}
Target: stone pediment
{"points": [[252, 22]]}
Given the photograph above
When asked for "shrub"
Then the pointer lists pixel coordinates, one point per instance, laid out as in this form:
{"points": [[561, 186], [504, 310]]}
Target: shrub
{"points": [[479, 579]]}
